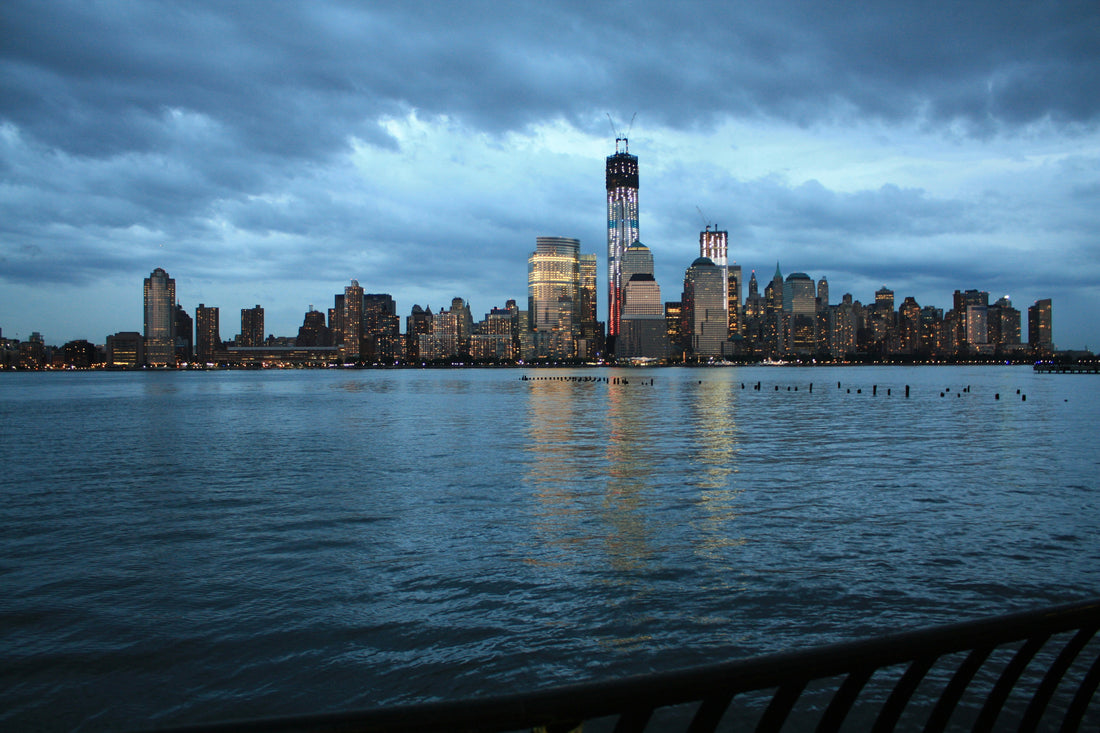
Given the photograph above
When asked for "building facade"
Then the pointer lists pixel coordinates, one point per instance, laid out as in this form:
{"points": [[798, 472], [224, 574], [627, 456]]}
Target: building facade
{"points": [[160, 319], [622, 227], [208, 340]]}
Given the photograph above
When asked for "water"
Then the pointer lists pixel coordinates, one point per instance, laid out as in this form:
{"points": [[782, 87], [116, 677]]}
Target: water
{"points": [[189, 547]]}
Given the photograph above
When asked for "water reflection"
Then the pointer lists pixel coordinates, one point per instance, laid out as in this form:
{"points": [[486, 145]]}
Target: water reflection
{"points": [[713, 440], [590, 469]]}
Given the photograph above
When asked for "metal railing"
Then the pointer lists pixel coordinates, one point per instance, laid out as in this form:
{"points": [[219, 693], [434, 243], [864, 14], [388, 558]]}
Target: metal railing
{"points": [[1028, 657]]}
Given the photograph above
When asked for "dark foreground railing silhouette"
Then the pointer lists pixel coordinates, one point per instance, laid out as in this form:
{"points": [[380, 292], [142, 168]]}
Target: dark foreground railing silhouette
{"points": [[1025, 671]]}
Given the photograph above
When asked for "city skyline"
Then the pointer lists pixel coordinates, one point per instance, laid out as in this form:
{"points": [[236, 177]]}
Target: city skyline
{"points": [[930, 151]]}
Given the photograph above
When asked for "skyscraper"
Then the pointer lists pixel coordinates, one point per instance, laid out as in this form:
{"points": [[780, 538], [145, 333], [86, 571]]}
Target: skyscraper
{"points": [[1040, 325], [591, 338], [642, 332], [553, 286], [704, 308], [160, 319], [185, 335], [622, 227], [733, 298], [352, 322], [207, 333], [800, 305], [252, 327], [381, 328]]}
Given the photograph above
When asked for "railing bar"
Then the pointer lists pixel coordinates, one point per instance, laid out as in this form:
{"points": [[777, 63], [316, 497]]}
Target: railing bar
{"points": [[843, 699], [710, 713], [1007, 681], [634, 720], [608, 698], [1035, 708], [780, 706], [951, 695], [891, 710], [1081, 700]]}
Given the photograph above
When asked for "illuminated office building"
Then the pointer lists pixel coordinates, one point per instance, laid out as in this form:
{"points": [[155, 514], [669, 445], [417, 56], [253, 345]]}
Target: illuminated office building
{"points": [[622, 227], [553, 296], [704, 307], [160, 320], [644, 333], [800, 307]]}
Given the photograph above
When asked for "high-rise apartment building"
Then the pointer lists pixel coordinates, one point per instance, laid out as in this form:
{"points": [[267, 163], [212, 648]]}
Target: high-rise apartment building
{"points": [[313, 331], [622, 227], [417, 324], [1040, 325], [185, 335], [381, 329], [351, 322], [208, 340], [252, 327], [160, 319]]}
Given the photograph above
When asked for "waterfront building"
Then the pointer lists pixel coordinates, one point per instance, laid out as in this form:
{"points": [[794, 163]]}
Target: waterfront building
{"points": [[754, 320], [125, 349], [313, 331], [800, 308], [733, 299], [208, 340], [450, 332], [160, 303], [417, 324], [674, 327], [704, 307], [976, 325], [643, 334], [252, 327], [185, 335], [351, 323], [884, 300], [1040, 325], [622, 227], [909, 327], [502, 324], [931, 330], [554, 287], [1004, 324], [590, 339], [381, 340], [845, 327]]}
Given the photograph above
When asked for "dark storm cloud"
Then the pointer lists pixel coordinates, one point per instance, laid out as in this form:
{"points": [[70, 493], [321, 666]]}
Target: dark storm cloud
{"points": [[293, 80]]}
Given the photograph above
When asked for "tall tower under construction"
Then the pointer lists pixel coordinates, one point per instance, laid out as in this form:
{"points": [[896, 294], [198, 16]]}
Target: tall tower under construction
{"points": [[622, 228]]}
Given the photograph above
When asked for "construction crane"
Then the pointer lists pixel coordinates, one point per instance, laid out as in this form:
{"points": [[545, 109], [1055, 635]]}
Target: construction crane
{"points": [[619, 136]]}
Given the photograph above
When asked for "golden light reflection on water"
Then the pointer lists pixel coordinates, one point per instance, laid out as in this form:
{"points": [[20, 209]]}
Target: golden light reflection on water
{"points": [[716, 449], [589, 472], [600, 472]]}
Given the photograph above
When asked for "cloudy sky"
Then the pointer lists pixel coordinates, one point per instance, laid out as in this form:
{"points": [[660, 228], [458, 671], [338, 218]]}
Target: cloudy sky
{"points": [[269, 152]]}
